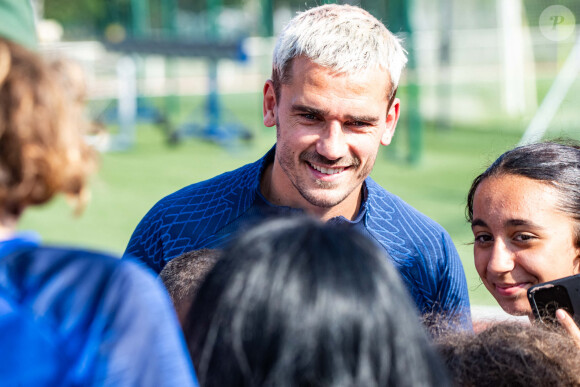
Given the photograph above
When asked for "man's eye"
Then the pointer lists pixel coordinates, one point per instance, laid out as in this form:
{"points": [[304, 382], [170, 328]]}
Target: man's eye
{"points": [[524, 237], [358, 123], [309, 116]]}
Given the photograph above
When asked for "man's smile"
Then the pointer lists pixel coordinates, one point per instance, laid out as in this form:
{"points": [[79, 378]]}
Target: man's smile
{"points": [[329, 170]]}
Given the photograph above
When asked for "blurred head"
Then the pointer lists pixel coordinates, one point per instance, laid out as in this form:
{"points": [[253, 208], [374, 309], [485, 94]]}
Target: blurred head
{"points": [[344, 38], [183, 275], [42, 150], [332, 100], [525, 215], [72, 78], [295, 302], [511, 354]]}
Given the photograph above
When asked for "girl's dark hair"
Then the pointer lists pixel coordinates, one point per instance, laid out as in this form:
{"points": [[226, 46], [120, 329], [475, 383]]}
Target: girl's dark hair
{"points": [[295, 302], [553, 163]]}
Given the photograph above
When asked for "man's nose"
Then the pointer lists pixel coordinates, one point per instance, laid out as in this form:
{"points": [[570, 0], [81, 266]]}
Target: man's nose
{"points": [[332, 142]]}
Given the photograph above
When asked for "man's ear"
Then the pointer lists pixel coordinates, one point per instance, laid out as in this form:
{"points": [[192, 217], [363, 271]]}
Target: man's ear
{"points": [[392, 119], [269, 104]]}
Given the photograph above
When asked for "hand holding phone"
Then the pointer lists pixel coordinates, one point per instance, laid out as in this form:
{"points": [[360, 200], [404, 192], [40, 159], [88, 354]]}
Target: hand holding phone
{"points": [[547, 297], [569, 326]]}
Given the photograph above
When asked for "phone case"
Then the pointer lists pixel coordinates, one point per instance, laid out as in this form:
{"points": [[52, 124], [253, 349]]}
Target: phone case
{"points": [[547, 297]]}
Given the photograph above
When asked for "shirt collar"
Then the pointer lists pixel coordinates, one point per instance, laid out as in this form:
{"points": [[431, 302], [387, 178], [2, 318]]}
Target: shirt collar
{"points": [[359, 219]]}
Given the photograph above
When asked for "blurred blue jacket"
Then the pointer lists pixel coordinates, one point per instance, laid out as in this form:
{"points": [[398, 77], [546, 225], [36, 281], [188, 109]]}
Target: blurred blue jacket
{"points": [[73, 317]]}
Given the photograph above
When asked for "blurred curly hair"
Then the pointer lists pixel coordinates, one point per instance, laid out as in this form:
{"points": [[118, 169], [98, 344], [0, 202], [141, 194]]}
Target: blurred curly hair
{"points": [[42, 149], [511, 354]]}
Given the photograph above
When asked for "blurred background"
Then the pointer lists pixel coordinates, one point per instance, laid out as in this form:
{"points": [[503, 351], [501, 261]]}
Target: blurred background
{"points": [[174, 93]]}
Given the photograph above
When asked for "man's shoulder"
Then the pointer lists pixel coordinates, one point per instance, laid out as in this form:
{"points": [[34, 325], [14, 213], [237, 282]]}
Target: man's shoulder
{"points": [[410, 237], [226, 184], [387, 209], [184, 220], [231, 189], [422, 251]]}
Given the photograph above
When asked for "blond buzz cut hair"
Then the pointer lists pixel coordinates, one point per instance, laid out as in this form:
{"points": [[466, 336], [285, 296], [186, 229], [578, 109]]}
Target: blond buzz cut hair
{"points": [[344, 38]]}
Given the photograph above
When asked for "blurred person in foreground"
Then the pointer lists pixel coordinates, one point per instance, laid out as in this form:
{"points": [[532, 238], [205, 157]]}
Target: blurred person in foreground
{"points": [[512, 355], [332, 100], [297, 302], [62, 319], [524, 211]]}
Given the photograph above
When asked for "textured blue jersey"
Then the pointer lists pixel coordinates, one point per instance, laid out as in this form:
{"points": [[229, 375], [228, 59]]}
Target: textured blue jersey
{"points": [[79, 318], [205, 214]]}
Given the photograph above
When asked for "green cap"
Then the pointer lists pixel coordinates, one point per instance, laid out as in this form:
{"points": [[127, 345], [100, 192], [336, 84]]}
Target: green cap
{"points": [[17, 22]]}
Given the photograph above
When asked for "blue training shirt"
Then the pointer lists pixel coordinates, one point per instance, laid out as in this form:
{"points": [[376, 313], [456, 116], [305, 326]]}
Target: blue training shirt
{"points": [[206, 214]]}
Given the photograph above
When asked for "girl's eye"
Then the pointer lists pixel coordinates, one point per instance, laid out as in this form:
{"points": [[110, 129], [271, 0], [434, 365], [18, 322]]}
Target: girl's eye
{"points": [[483, 238]]}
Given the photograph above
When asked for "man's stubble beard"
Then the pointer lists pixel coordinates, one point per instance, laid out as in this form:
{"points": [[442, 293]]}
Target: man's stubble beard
{"points": [[285, 159]]}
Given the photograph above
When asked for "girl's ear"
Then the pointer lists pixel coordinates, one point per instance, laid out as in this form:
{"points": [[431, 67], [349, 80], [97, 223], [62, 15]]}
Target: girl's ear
{"points": [[577, 261]]}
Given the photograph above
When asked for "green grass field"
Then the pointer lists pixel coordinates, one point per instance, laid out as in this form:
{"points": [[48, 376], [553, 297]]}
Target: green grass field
{"points": [[130, 182]]}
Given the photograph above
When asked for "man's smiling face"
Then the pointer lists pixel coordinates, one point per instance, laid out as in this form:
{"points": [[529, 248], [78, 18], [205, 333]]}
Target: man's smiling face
{"points": [[329, 129]]}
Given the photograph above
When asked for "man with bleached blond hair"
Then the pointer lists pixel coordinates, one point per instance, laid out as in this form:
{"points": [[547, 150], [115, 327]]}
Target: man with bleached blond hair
{"points": [[332, 99]]}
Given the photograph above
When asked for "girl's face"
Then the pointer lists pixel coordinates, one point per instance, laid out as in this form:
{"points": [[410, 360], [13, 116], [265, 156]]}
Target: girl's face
{"points": [[521, 239]]}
